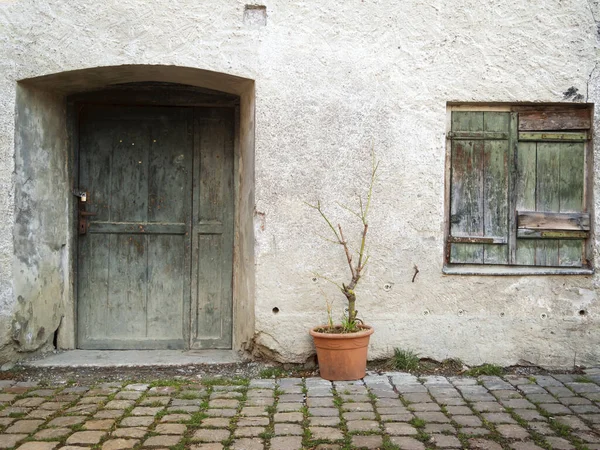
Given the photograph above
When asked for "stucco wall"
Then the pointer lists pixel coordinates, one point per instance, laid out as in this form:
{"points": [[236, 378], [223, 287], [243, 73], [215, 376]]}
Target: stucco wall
{"points": [[334, 79]]}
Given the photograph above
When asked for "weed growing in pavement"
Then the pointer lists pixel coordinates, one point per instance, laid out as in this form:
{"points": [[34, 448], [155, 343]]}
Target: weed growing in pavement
{"points": [[272, 372], [583, 379], [485, 369], [405, 360]]}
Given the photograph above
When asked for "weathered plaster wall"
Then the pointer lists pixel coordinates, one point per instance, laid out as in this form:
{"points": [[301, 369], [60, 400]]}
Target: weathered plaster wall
{"points": [[334, 79]]}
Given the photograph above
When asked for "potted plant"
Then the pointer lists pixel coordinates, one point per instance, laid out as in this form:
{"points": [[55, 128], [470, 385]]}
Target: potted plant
{"points": [[342, 348]]}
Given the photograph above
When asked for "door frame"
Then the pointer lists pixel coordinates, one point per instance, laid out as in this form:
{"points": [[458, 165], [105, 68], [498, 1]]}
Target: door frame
{"points": [[151, 94]]}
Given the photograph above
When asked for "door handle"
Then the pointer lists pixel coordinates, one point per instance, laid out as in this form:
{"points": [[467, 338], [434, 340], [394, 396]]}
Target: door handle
{"points": [[83, 215]]}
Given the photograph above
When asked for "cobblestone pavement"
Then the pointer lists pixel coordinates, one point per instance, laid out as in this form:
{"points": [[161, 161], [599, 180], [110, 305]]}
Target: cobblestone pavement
{"points": [[391, 411]]}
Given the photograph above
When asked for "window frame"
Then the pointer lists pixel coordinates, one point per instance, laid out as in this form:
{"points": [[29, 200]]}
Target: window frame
{"points": [[514, 269]]}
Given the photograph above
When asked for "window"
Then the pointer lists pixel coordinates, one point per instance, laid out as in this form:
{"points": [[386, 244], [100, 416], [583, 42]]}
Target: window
{"points": [[517, 189]]}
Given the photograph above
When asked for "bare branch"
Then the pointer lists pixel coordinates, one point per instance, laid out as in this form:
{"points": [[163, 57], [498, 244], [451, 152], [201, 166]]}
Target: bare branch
{"points": [[348, 255], [349, 210], [318, 275]]}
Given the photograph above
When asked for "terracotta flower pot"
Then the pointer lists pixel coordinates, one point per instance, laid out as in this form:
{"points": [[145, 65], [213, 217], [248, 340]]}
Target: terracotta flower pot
{"points": [[342, 356]]}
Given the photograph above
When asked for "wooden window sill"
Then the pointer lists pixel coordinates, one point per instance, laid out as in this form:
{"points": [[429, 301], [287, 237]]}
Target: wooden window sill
{"points": [[476, 269]]}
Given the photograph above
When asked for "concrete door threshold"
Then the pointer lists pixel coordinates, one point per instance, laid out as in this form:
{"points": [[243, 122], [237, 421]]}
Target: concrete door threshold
{"points": [[134, 358]]}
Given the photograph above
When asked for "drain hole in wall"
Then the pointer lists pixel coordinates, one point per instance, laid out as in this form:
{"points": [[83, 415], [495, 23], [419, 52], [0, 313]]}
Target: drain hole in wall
{"points": [[275, 310], [582, 312]]}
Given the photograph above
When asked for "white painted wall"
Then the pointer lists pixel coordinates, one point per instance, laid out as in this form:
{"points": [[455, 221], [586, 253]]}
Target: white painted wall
{"points": [[334, 79]]}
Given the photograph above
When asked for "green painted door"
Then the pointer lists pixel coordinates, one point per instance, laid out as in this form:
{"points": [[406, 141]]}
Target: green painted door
{"points": [[155, 262]]}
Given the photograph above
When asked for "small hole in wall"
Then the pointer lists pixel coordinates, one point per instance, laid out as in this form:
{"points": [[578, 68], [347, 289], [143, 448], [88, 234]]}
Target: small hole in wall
{"points": [[255, 16], [582, 312], [314, 279], [543, 316], [501, 314], [275, 310]]}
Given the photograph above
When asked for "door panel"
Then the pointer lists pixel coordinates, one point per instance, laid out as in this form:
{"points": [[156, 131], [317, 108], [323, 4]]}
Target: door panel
{"points": [[134, 262], [212, 229]]}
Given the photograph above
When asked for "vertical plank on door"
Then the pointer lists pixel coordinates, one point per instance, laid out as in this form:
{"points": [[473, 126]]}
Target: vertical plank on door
{"points": [[525, 192], [495, 188], [571, 197], [213, 229], [547, 197]]}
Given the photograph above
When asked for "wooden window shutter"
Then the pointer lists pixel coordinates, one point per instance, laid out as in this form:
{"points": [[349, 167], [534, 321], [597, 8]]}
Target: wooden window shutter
{"points": [[479, 187], [552, 219]]}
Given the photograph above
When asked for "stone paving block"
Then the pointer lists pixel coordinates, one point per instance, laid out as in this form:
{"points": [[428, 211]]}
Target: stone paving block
{"points": [[220, 412], [247, 444], [101, 424], [211, 446], [253, 422], [289, 407], [529, 415], [253, 411], [283, 429], [10, 440], [585, 409], [298, 398], [176, 418], [484, 444], [475, 431], [592, 418], [355, 398], [83, 409], [253, 393], [574, 401], [223, 403], [209, 435], [53, 406], [541, 398], [260, 401], [5, 398], [296, 416], [119, 404], [417, 397], [498, 418], [512, 431], [109, 414], [6, 412], [136, 387], [458, 410], [488, 407], [400, 429], [248, 431], [525, 446], [396, 417], [183, 409], [389, 403], [588, 437], [162, 390], [66, 421], [555, 408], [362, 425], [130, 432], [40, 414], [29, 402], [407, 443], [325, 433], [215, 422], [286, 443], [506, 394], [467, 421], [370, 442], [91, 400], [324, 421], [170, 428], [541, 428], [435, 417], [451, 401], [558, 443], [23, 426], [52, 433], [446, 441], [439, 428], [392, 410], [163, 441], [139, 421], [573, 422], [33, 445], [86, 437], [126, 395], [357, 407], [583, 387], [559, 391], [518, 404], [145, 411], [424, 407], [119, 444], [366, 415], [227, 395], [323, 412]]}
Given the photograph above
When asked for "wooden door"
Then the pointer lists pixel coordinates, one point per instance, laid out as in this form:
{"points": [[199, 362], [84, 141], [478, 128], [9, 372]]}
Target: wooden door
{"points": [[142, 168]]}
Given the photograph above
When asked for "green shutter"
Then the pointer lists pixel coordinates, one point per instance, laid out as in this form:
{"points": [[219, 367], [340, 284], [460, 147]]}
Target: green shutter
{"points": [[550, 182], [479, 187]]}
